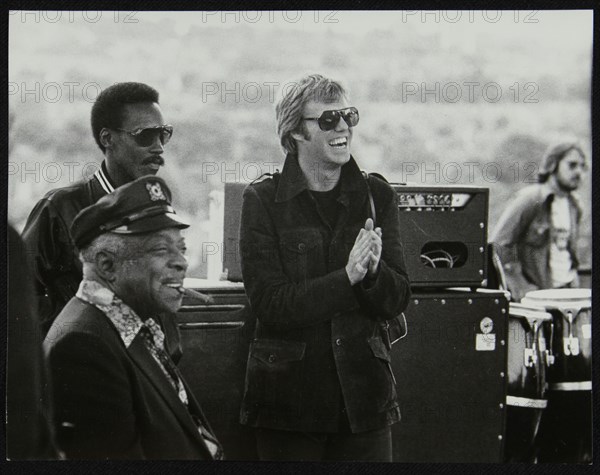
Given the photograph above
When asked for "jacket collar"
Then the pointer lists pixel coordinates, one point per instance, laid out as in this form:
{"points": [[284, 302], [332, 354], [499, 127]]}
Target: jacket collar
{"points": [[103, 178], [548, 189], [147, 365], [293, 181]]}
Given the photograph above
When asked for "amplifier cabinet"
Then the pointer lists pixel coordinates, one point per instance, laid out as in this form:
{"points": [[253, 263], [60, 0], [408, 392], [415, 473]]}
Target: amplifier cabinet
{"points": [[233, 199], [444, 233], [215, 340], [451, 378], [449, 370]]}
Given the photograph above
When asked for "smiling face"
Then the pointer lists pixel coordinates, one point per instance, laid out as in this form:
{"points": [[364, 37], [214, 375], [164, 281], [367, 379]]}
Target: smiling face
{"points": [[146, 279], [331, 149], [126, 159]]}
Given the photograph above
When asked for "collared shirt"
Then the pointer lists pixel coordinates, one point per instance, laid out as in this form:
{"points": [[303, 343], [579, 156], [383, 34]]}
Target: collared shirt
{"points": [[128, 325]]}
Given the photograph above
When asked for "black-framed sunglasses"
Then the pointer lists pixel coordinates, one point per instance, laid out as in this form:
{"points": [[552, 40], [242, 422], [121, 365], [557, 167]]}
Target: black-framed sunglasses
{"points": [[145, 137], [330, 119]]}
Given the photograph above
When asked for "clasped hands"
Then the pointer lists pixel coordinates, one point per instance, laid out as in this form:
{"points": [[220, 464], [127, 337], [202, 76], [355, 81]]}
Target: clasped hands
{"points": [[365, 254]]}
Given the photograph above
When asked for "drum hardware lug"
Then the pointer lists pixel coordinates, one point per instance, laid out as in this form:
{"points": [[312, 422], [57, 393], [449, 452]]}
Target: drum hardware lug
{"points": [[529, 357], [549, 358], [571, 346]]}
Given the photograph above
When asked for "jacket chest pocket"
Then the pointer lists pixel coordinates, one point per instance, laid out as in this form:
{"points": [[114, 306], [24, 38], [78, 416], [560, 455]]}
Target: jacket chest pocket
{"points": [[274, 375], [300, 251], [538, 234]]}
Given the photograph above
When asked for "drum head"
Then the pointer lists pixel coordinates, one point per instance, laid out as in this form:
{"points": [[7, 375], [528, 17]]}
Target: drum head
{"points": [[531, 313], [559, 298]]}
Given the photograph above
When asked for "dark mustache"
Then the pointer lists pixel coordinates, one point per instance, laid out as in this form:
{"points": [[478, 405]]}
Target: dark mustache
{"points": [[154, 159]]}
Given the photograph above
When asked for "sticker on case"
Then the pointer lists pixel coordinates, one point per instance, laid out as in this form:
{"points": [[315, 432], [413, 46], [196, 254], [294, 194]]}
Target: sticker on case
{"points": [[485, 342]]}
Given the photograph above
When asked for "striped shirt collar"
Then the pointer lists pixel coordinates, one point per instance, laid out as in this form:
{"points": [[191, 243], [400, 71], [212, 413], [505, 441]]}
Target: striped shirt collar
{"points": [[102, 176]]}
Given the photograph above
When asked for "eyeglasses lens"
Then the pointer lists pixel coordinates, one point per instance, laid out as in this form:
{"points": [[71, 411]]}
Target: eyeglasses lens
{"points": [[148, 136], [330, 119]]}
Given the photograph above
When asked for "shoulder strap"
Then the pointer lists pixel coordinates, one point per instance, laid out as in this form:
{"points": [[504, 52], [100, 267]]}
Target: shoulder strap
{"points": [[370, 195], [371, 202], [275, 176]]}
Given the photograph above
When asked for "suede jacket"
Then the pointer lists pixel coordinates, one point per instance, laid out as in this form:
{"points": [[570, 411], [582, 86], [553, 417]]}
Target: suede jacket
{"points": [[524, 235], [318, 362]]}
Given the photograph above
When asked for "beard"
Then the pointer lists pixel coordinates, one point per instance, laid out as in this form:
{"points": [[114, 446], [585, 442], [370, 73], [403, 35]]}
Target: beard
{"points": [[568, 186]]}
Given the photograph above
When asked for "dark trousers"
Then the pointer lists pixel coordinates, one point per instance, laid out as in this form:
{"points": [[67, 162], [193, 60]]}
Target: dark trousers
{"points": [[369, 446]]}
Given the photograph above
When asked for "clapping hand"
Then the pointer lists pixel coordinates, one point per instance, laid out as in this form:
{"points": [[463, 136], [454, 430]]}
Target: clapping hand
{"points": [[365, 254], [376, 246]]}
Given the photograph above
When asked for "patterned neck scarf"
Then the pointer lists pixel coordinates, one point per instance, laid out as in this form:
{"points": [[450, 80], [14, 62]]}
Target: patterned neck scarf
{"points": [[129, 324]]}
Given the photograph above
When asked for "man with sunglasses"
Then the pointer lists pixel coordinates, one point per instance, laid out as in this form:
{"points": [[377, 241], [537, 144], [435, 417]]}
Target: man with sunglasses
{"points": [[320, 279], [537, 232], [129, 128]]}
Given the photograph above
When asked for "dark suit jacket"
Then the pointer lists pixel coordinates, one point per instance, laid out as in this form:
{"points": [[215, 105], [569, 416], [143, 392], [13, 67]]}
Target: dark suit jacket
{"points": [[113, 402]]}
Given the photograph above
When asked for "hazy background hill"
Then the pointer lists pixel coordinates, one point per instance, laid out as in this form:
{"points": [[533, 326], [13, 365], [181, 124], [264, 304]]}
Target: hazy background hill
{"points": [[218, 76]]}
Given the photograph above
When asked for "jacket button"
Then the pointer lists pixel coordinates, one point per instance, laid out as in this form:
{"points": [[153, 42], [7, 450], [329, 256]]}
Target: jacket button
{"points": [[338, 342], [301, 246], [272, 358]]}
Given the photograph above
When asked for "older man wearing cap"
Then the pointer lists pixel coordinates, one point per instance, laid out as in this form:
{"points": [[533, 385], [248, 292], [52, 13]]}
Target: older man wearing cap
{"points": [[537, 232], [117, 393]]}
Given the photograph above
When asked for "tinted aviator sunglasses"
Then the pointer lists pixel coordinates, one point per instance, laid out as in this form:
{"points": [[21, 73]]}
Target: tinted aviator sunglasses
{"points": [[330, 119], [147, 136]]}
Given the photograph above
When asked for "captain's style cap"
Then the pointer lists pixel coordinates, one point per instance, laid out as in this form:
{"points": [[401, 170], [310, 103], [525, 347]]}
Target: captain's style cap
{"points": [[141, 206]]}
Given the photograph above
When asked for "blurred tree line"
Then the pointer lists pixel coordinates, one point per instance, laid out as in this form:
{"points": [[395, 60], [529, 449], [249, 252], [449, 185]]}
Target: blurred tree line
{"points": [[218, 88]]}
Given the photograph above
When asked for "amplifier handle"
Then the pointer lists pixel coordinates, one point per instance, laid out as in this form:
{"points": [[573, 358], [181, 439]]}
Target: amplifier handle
{"points": [[211, 308], [210, 325]]}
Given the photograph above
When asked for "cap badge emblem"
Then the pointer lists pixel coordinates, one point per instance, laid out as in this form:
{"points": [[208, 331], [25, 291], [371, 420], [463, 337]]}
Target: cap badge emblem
{"points": [[155, 191]]}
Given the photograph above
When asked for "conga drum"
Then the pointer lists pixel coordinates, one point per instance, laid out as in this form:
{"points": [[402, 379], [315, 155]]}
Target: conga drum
{"points": [[528, 358], [565, 434]]}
